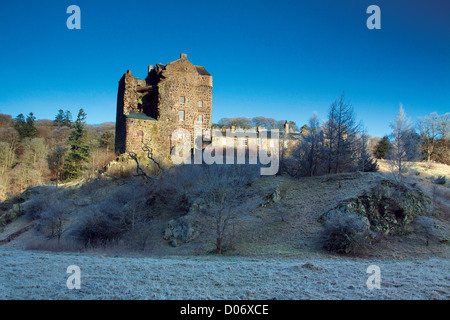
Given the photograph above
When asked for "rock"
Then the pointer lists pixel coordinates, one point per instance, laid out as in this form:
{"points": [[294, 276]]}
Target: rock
{"points": [[388, 207], [276, 195], [180, 230], [273, 197], [174, 243], [309, 266], [85, 201]]}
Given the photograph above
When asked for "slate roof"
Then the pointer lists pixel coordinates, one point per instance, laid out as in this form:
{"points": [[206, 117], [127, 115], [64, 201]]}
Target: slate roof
{"points": [[139, 115], [202, 71]]}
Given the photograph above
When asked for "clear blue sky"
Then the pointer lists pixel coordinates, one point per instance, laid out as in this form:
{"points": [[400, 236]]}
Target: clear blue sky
{"points": [[280, 59]]}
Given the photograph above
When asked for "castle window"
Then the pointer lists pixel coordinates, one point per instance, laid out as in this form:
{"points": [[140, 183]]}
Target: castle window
{"points": [[182, 99], [181, 116], [141, 133], [200, 118], [245, 142], [200, 104]]}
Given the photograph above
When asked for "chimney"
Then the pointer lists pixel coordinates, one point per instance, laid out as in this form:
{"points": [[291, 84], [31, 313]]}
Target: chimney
{"points": [[183, 56], [286, 127], [150, 67], [233, 128], [259, 128]]}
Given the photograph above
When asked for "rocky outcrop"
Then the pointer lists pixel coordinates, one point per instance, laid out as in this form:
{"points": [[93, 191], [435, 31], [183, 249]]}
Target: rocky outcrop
{"points": [[273, 197], [388, 207], [180, 230]]}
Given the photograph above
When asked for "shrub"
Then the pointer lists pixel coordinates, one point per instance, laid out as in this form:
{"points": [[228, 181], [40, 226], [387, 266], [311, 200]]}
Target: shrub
{"points": [[54, 218], [35, 207], [345, 233], [440, 180], [100, 224], [427, 228], [110, 220], [52, 245]]}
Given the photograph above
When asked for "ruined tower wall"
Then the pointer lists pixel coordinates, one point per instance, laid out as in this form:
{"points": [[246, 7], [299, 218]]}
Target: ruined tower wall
{"points": [[148, 111], [181, 79]]}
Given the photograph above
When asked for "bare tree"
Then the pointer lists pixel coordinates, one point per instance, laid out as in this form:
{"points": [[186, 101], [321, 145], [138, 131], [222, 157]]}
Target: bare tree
{"points": [[428, 129], [55, 218], [340, 131], [404, 146], [444, 129], [148, 150], [311, 148], [223, 190], [366, 163]]}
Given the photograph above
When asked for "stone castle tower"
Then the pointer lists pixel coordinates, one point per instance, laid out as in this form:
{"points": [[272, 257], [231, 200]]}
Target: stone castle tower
{"points": [[172, 96]]}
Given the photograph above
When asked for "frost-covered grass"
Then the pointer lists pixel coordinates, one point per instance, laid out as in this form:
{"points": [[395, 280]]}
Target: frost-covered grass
{"points": [[39, 275]]}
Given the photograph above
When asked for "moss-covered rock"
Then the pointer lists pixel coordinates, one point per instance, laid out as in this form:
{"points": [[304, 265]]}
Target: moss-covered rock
{"points": [[180, 231], [388, 207]]}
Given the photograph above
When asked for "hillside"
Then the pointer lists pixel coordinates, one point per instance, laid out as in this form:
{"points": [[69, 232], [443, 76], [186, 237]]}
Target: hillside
{"points": [[263, 231], [276, 251]]}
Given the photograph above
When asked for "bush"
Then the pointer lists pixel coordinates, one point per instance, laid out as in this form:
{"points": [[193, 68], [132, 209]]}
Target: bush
{"points": [[440, 180], [54, 218], [52, 245], [427, 228], [100, 224], [110, 220], [344, 233], [35, 207]]}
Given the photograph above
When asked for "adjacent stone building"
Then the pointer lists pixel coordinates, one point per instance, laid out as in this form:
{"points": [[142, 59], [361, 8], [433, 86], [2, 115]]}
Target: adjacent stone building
{"points": [[172, 96]]}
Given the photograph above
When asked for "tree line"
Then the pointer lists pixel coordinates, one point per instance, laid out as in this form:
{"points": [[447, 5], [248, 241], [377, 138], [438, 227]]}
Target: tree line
{"points": [[428, 139], [41, 151], [340, 144]]}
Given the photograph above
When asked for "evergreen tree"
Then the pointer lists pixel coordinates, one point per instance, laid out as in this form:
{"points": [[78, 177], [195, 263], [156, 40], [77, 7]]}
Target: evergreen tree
{"points": [[107, 139], [25, 127], [78, 150], [382, 148], [59, 118], [63, 118]]}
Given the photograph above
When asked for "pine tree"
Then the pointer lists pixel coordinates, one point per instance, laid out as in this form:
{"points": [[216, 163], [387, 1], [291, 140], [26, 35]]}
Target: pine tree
{"points": [[63, 118], [107, 139], [25, 127], [382, 148], [79, 150]]}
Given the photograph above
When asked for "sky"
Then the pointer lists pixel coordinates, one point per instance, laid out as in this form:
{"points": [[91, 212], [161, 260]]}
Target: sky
{"points": [[281, 59]]}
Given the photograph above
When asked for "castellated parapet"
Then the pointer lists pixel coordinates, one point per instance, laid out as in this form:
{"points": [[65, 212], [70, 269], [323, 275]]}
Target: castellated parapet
{"points": [[171, 97]]}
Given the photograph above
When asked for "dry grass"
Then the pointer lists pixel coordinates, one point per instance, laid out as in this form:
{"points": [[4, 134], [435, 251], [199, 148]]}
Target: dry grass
{"points": [[263, 231]]}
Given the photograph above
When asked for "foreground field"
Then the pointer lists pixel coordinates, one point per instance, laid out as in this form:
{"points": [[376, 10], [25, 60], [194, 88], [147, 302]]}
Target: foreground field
{"points": [[37, 275]]}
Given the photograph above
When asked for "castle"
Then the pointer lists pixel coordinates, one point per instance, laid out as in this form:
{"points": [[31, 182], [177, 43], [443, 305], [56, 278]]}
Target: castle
{"points": [[172, 96]]}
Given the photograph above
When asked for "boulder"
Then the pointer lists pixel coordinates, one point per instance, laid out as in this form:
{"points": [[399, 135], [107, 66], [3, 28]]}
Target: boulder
{"points": [[388, 207], [273, 197], [180, 230]]}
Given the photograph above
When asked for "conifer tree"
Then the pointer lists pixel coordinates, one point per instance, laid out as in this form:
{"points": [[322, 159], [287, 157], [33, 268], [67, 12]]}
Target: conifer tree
{"points": [[78, 150]]}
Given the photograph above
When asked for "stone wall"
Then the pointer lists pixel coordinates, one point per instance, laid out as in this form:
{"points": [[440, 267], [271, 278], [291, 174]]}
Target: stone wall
{"points": [[150, 109]]}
